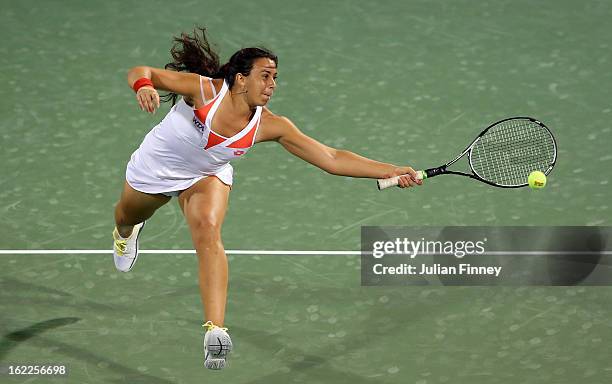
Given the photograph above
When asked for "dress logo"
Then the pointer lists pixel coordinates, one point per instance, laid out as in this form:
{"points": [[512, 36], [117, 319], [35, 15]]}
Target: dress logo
{"points": [[198, 125]]}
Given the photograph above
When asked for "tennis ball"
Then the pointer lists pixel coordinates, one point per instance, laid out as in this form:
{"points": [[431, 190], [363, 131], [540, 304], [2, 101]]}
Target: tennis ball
{"points": [[537, 180]]}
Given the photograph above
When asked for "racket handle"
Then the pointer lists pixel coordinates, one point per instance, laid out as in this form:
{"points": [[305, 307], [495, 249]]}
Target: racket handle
{"points": [[393, 181]]}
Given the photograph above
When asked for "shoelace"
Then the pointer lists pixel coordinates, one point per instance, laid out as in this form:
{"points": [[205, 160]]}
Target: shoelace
{"points": [[209, 326], [121, 245]]}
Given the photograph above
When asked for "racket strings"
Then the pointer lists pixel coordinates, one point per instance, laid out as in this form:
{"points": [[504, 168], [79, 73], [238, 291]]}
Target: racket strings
{"points": [[509, 151]]}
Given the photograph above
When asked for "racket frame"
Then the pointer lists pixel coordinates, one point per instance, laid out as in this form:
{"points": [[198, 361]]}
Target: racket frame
{"points": [[442, 170]]}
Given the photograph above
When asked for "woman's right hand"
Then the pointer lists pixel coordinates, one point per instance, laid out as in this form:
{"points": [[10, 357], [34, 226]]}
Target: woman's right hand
{"points": [[148, 99]]}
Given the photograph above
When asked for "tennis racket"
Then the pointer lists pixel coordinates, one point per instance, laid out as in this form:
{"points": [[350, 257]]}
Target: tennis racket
{"points": [[503, 155]]}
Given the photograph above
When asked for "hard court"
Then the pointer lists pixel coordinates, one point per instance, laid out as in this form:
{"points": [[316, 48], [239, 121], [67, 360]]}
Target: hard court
{"points": [[407, 82]]}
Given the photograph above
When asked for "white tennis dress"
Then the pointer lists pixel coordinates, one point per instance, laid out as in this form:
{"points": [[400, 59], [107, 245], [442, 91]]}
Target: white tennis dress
{"points": [[182, 149]]}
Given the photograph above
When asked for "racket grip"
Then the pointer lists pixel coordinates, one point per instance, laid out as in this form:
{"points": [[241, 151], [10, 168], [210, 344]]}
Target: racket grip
{"points": [[393, 181]]}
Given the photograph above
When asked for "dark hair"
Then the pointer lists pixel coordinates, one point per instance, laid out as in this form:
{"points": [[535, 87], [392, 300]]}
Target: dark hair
{"points": [[193, 53], [242, 62]]}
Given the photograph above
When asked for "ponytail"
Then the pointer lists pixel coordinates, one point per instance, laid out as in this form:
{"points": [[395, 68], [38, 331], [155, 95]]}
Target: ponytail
{"points": [[193, 53]]}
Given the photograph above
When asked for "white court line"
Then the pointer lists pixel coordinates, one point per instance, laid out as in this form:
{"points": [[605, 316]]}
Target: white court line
{"points": [[168, 251]]}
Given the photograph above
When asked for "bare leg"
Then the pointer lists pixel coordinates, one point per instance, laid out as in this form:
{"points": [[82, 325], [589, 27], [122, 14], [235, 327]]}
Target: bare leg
{"points": [[135, 207], [204, 206]]}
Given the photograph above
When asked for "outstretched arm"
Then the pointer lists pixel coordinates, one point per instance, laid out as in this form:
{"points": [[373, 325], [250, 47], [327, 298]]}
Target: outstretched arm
{"points": [[334, 161]]}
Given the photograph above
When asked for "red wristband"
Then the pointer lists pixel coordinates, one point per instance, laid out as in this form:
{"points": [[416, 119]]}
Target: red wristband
{"points": [[142, 82]]}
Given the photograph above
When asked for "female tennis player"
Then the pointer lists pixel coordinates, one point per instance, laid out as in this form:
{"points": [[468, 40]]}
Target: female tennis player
{"points": [[220, 115]]}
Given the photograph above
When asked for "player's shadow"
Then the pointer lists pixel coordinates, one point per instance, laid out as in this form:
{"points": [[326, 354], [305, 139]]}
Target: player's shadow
{"points": [[13, 339], [17, 292], [34, 335], [317, 367], [317, 363]]}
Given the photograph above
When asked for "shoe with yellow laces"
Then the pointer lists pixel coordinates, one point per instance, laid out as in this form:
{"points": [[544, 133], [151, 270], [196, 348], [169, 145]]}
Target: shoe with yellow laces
{"points": [[217, 346], [125, 250]]}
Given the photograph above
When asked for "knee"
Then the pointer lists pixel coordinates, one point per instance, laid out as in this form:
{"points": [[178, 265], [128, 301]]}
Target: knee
{"points": [[206, 228]]}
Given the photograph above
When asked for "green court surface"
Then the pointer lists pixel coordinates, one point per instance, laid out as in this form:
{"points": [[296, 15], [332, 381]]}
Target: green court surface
{"points": [[408, 82]]}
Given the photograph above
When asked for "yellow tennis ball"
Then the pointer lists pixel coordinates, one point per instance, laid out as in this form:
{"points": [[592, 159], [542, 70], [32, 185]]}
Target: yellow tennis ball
{"points": [[537, 180]]}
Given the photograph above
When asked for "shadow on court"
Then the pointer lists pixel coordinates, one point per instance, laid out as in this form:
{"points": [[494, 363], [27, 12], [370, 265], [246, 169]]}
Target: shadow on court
{"points": [[367, 340], [15, 291], [13, 339], [34, 335], [317, 367]]}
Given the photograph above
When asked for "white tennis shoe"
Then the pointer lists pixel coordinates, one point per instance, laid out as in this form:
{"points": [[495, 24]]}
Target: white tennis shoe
{"points": [[125, 251], [217, 346]]}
